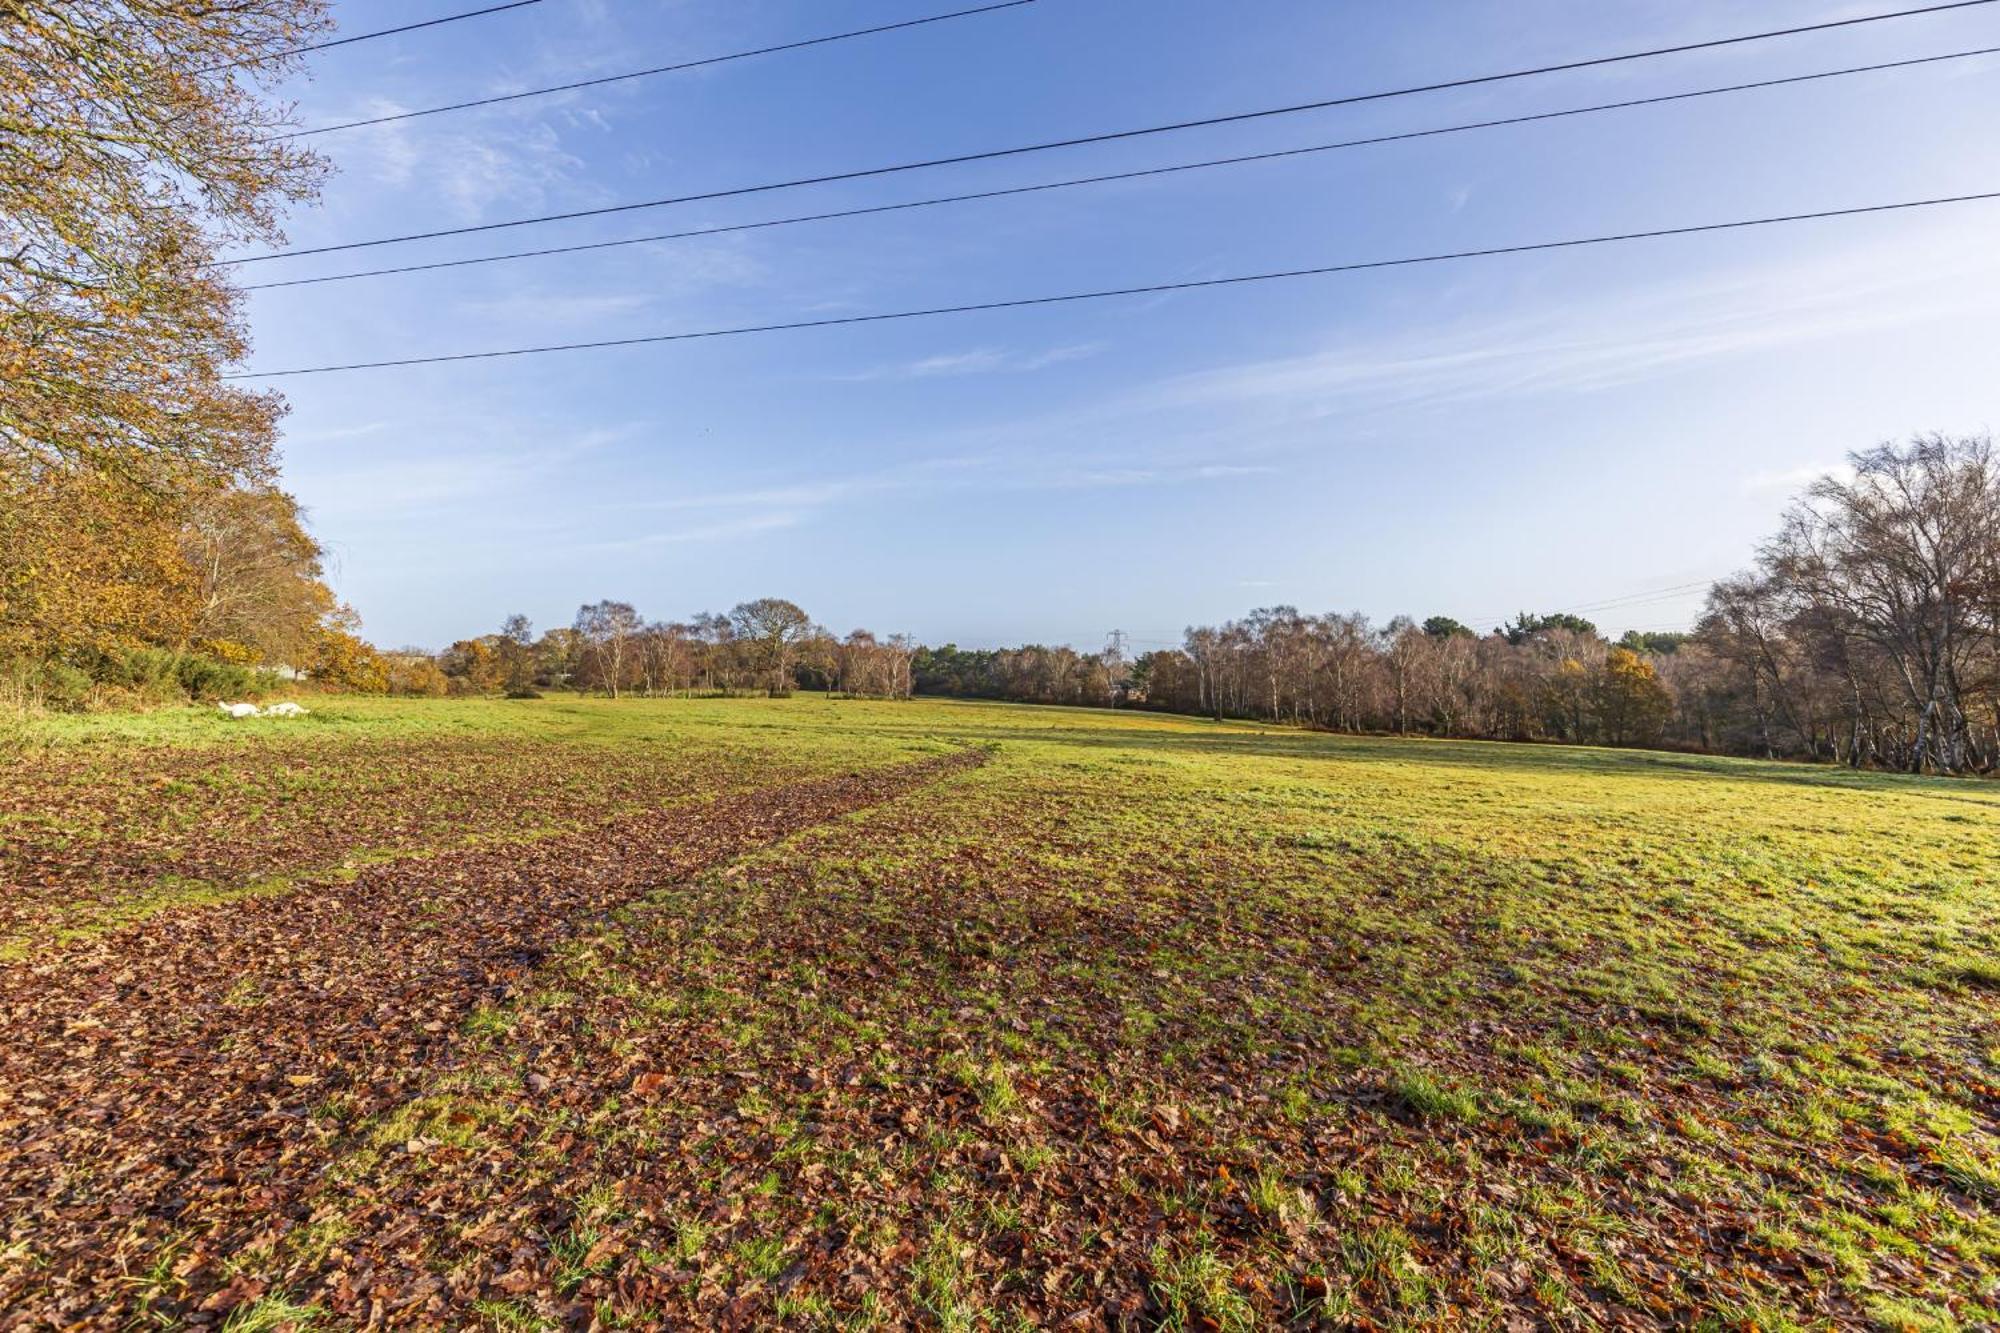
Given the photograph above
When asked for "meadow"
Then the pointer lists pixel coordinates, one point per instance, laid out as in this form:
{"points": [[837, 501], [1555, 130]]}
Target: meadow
{"points": [[826, 1013]]}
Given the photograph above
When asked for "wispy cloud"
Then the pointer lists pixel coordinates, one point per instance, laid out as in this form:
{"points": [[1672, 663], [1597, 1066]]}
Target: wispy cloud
{"points": [[923, 474], [335, 434], [1790, 480], [944, 475], [979, 361], [558, 307], [1644, 332], [1258, 414], [748, 526], [470, 172], [406, 483]]}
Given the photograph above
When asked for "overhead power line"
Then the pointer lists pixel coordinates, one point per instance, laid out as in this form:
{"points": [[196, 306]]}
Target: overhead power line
{"points": [[992, 154], [1622, 602], [1637, 599], [656, 70], [1150, 289], [1115, 176], [371, 36]]}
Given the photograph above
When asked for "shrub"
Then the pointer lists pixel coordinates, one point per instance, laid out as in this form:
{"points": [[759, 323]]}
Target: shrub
{"points": [[30, 684], [203, 678], [414, 674], [133, 677], [157, 675]]}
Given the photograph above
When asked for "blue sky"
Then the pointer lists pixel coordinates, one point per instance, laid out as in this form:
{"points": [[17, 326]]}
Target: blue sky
{"points": [[1470, 439]]}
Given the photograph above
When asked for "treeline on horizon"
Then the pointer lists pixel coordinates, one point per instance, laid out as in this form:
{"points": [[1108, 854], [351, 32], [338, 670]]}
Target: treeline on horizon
{"points": [[1868, 633], [768, 646]]}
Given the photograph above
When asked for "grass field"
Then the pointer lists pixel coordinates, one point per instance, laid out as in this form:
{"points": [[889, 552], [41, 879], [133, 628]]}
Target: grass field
{"points": [[735, 1013]]}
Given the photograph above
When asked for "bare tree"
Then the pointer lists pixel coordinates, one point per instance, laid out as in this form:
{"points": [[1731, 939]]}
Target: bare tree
{"points": [[1900, 558], [606, 630]]}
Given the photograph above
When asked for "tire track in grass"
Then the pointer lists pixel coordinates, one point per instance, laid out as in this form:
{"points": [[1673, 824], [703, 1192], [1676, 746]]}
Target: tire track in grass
{"points": [[92, 839], [163, 1090]]}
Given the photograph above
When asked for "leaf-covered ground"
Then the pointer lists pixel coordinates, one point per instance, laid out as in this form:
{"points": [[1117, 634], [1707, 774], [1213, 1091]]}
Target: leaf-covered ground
{"points": [[100, 825], [1083, 1021]]}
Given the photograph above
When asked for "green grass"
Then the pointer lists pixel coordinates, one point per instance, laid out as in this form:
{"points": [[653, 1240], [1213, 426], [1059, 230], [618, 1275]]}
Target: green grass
{"points": [[1196, 1289], [1219, 1025], [1428, 1099], [112, 817], [271, 1314]]}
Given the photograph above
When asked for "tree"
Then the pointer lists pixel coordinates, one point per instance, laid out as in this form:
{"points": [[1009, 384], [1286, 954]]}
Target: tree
{"points": [[259, 594], [556, 654], [1869, 633], [89, 565], [1449, 678], [668, 654], [775, 630], [1653, 643], [135, 139], [1406, 652], [474, 666], [1744, 628], [1630, 704], [411, 671], [515, 646], [1203, 648], [902, 652], [717, 637], [1899, 562], [344, 661], [1350, 665], [1117, 680], [604, 631], [1566, 699], [1527, 625]]}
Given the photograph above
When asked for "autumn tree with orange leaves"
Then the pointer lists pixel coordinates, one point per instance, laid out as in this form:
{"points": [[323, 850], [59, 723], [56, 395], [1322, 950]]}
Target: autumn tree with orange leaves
{"points": [[138, 138]]}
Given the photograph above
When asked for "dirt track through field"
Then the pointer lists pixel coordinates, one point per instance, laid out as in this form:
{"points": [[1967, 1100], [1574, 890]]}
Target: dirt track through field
{"points": [[158, 1087]]}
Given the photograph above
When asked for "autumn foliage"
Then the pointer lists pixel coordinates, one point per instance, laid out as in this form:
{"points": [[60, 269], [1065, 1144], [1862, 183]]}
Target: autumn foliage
{"points": [[138, 513]]}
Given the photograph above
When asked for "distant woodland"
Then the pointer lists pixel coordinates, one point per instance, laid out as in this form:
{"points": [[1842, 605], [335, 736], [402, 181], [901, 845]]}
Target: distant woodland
{"points": [[1868, 633]]}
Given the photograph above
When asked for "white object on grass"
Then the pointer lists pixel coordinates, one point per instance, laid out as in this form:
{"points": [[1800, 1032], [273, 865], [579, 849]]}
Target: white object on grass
{"points": [[285, 709]]}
